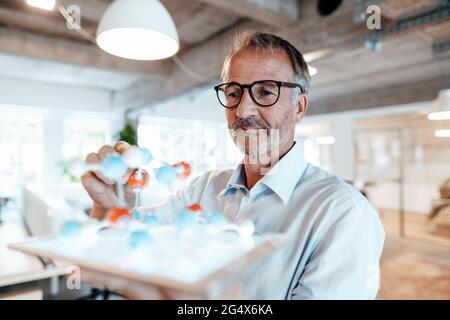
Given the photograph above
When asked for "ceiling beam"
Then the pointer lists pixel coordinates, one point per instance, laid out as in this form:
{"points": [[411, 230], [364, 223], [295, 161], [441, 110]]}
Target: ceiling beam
{"points": [[272, 12], [54, 25], [139, 94], [197, 21], [91, 10], [205, 23], [66, 51], [394, 9], [315, 32]]}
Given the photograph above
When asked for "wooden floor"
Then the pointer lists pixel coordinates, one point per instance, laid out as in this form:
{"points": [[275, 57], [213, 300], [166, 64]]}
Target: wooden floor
{"points": [[12, 230], [417, 226], [416, 266], [14, 262], [410, 268]]}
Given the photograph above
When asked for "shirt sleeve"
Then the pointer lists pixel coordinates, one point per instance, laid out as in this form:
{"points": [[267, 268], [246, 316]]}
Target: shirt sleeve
{"points": [[345, 262]]}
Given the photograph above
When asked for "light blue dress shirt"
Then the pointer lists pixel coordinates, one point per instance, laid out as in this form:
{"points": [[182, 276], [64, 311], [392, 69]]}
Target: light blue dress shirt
{"points": [[335, 235]]}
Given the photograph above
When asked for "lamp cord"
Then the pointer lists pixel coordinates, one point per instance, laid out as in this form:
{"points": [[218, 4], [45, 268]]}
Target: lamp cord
{"points": [[76, 26], [188, 70]]}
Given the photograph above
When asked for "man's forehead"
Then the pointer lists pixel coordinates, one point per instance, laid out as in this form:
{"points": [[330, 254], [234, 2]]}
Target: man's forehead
{"points": [[258, 64]]}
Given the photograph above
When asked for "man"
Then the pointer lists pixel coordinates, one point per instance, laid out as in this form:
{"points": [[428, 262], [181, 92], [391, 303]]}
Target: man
{"points": [[335, 235]]}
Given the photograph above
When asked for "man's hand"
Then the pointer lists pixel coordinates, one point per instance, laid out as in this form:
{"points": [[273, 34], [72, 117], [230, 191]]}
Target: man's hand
{"points": [[101, 189]]}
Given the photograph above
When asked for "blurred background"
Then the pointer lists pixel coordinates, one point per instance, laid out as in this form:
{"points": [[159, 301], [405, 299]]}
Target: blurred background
{"points": [[380, 71]]}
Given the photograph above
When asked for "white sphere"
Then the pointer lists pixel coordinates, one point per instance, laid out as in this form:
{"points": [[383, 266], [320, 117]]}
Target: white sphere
{"points": [[246, 228], [133, 157]]}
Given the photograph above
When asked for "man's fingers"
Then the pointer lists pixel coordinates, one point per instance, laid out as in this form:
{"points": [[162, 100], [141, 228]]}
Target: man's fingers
{"points": [[126, 176], [92, 184], [104, 151], [97, 158], [98, 191], [121, 146], [94, 158]]}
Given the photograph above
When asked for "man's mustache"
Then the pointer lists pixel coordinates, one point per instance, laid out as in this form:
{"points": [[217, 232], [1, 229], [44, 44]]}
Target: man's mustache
{"points": [[250, 123]]}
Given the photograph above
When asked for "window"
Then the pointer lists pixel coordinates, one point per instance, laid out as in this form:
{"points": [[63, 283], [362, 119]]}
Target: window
{"points": [[82, 136], [21, 156]]}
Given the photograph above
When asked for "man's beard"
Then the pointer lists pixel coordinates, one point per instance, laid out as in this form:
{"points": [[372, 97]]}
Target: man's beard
{"points": [[256, 139]]}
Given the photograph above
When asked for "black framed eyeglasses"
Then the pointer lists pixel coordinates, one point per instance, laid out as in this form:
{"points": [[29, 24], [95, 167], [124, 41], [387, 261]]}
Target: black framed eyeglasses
{"points": [[264, 93]]}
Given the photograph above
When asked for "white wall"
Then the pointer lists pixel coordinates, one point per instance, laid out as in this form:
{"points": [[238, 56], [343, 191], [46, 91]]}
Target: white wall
{"points": [[66, 97]]}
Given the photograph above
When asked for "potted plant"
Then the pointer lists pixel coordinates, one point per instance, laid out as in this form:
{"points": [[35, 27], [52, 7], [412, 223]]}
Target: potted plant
{"points": [[128, 134]]}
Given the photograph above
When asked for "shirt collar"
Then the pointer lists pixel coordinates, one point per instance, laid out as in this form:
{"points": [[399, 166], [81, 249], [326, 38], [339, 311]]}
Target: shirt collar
{"points": [[281, 178], [237, 179]]}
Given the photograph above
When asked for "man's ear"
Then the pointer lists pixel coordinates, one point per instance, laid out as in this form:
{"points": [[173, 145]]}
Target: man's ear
{"points": [[301, 108]]}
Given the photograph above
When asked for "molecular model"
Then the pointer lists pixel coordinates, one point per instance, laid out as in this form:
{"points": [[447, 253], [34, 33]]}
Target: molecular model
{"points": [[138, 228]]}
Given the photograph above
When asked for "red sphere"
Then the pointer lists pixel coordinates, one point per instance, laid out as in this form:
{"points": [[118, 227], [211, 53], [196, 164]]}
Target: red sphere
{"points": [[186, 169], [116, 214], [138, 180], [196, 207]]}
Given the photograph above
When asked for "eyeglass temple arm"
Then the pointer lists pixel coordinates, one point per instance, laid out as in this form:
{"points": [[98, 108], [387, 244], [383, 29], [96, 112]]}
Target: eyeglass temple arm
{"points": [[292, 85]]}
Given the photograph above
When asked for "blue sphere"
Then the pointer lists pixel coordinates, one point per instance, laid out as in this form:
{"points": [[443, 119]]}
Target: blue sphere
{"points": [[166, 174], [70, 228], [146, 154], [136, 215], [185, 219], [139, 238], [216, 218], [186, 214], [113, 167], [151, 220]]}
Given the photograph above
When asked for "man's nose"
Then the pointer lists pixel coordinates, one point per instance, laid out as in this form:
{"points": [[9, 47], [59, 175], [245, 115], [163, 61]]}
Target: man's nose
{"points": [[246, 107]]}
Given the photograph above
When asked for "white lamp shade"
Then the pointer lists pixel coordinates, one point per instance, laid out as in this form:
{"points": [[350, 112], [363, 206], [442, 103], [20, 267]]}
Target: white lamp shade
{"points": [[138, 30], [441, 106]]}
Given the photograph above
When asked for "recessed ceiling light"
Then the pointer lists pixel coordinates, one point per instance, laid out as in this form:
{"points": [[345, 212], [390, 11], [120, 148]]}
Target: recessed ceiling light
{"points": [[42, 4], [443, 115], [312, 70], [442, 133], [325, 140]]}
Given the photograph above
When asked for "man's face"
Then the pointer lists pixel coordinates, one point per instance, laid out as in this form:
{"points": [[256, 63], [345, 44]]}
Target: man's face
{"points": [[249, 122]]}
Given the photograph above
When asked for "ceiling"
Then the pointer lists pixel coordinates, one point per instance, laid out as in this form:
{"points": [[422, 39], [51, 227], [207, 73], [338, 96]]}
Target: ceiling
{"points": [[31, 69], [37, 46]]}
